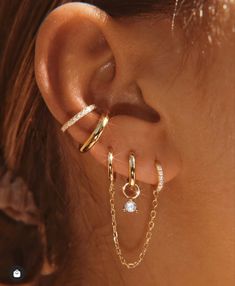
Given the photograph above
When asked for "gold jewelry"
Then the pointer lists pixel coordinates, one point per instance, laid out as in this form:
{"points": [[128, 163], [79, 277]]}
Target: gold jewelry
{"points": [[95, 135], [132, 170], [131, 190], [77, 117], [110, 166], [151, 223]]}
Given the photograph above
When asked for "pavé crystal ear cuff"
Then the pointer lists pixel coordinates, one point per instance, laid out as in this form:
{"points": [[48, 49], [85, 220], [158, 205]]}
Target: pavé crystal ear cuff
{"points": [[95, 135], [131, 209], [78, 117]]}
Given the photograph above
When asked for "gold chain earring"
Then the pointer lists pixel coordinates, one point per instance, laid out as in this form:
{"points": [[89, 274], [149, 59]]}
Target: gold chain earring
{"points": [[96, 134], [153, 212]]}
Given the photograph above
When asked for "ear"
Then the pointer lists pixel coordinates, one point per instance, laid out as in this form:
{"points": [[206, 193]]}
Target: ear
{"points": [[82, 58]]}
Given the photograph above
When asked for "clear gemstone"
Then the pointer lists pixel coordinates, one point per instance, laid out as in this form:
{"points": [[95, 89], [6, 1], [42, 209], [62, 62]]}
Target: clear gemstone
{"points": [[130, 206]]}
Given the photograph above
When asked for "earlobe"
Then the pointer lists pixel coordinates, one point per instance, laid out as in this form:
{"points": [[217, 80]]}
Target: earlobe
{"points": [[148, 141]]}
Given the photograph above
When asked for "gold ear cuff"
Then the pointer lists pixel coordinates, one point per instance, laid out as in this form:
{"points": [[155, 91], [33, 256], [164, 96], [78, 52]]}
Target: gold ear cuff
{"points": [[95, 135], [78, 117]]}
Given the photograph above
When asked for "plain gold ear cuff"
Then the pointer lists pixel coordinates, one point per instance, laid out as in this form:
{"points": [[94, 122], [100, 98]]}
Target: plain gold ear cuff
{"points": [[95, 135]]}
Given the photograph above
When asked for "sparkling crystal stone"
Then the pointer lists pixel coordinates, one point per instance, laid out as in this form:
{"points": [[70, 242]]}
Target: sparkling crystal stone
{"points": [[130, 206]]}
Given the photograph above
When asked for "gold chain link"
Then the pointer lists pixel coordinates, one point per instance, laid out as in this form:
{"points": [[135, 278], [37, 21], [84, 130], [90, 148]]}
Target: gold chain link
{"points": [[153, 214]]}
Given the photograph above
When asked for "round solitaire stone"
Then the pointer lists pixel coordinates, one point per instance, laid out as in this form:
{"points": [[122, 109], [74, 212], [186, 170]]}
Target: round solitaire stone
{"points": [[130, 206]]}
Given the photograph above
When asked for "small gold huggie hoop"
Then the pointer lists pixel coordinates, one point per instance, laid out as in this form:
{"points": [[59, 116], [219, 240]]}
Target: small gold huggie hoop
{"points": [[132, 170], [131, 184], [95, 135], [110, 166]]}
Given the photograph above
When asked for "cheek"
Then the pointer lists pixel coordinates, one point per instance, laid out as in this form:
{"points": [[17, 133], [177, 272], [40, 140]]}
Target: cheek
{"points": [[198, 114], [201, 126]]}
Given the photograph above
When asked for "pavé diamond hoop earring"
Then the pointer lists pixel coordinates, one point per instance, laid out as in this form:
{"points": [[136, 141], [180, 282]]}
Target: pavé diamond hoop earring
{"points": [[153, 212], [95, 135]]}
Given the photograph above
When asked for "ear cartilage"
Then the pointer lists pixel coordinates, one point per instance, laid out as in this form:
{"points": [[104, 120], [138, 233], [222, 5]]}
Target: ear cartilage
{"points": [[78, 116]]}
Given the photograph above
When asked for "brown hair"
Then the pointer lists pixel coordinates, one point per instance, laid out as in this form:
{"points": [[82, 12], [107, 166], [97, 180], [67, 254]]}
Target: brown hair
{"points": [[30, 143]]}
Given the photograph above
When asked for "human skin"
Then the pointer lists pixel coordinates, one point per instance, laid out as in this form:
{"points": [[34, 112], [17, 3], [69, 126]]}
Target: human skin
{"points": [[78, 48]]}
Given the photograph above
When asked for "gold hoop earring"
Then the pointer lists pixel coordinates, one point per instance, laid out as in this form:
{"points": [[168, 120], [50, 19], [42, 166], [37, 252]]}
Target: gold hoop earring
{"points": [[110, 166], [153, 214], [95, 135], [131, 189], [77, 117]]}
